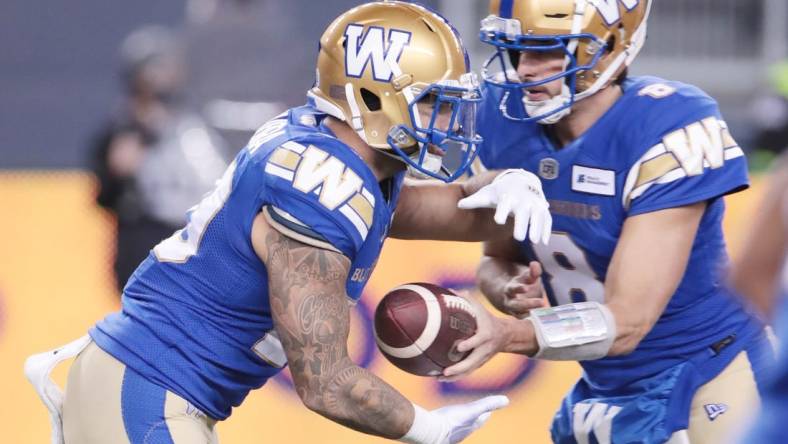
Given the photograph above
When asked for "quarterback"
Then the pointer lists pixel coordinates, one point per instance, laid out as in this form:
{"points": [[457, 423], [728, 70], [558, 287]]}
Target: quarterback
{"points": [[635, 170], [266, 270]]}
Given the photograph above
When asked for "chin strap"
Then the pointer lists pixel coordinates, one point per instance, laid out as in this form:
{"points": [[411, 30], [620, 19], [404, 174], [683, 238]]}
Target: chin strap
{"points": [[538, 108], [355, 112]]}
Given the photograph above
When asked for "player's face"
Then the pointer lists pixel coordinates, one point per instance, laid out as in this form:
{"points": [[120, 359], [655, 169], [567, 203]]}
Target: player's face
{"points": [[537, 65], [426, 107]]}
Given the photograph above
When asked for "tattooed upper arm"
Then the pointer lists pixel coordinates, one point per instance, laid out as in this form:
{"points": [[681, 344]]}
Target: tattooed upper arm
{"points": [[309, 305], [311, 314]]}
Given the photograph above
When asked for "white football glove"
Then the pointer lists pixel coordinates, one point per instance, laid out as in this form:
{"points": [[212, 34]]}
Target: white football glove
{"points": [[451, 424], [519, 193]]}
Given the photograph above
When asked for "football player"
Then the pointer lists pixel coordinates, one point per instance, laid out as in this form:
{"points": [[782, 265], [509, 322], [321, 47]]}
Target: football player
{"points": [[266, 271], [760, 273], [635, 170]]}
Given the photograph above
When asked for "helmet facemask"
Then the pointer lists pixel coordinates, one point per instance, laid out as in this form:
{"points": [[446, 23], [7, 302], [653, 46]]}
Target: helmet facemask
{"points": [[506, 37], [379, 64], [441, 141], [598, 41]]}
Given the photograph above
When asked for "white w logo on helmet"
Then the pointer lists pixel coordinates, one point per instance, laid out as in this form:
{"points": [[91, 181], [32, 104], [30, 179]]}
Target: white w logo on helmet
{"points": [[357, 55], [608, 9]]}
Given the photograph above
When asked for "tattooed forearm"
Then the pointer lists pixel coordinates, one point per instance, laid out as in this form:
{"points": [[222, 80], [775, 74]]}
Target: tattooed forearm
{"points": [[312, 317], [369, 404]]}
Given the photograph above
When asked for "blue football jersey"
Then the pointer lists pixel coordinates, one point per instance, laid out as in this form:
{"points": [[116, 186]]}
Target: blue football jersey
{"points": [[663, 144], [195, 315]]}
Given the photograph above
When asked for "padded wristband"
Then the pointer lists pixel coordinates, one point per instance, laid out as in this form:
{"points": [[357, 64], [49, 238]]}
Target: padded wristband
{"points": [[581, 331]]}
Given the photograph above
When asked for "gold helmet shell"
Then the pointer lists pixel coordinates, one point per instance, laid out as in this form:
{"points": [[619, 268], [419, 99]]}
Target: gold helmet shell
{"points": [[375, 59]]}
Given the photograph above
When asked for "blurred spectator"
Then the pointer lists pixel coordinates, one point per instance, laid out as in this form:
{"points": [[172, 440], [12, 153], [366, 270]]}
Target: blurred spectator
{"points": [[246, 58], [770, 113], [155, 158]]}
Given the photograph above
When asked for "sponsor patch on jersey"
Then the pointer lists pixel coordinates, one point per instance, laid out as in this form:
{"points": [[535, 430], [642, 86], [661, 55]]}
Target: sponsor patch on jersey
{"points": [[548, 168], [715, 410], [593, 180]]}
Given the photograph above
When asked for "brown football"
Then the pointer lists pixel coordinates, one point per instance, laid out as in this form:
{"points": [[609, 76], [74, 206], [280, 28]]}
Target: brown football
{"points": [[418, 325]]}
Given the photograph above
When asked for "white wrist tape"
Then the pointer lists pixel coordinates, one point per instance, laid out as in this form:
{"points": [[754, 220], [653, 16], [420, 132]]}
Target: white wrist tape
{"points": [[581, 331], [531, 178], [426, 429]]}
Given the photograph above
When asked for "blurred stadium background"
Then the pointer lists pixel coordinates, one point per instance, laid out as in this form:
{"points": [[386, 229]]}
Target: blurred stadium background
{"points": [[246, 61]]}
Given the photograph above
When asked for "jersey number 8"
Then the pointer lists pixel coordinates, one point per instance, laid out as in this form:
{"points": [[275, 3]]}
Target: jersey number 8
{"points": [[567, 271]]}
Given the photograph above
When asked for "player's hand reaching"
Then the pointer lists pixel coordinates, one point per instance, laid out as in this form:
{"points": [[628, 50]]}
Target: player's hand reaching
{"points": [[524, 292], [519, 193], [484, 344], [452, 424]]}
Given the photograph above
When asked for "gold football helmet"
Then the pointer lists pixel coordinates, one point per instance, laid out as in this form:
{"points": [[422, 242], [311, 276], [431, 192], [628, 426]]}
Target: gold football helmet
{"points": [[378, 62], [599, 38]]}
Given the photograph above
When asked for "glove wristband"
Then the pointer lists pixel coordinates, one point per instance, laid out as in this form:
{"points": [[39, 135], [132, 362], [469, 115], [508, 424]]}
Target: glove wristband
{"points": [[535, 188], [426, 429], [509, 171]]}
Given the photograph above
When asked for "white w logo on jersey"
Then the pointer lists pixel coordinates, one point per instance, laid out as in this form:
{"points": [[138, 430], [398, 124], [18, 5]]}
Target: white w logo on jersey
{"points": [[336, 182], [596, 417], [357, 55]]}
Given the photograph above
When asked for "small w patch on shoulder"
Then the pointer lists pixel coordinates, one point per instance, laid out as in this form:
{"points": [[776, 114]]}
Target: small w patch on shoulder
{"points": [[715, 410]]}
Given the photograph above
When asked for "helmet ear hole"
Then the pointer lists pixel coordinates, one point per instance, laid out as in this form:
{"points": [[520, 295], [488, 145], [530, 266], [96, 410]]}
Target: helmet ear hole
{"points": [[611, 43], [371, 100]]}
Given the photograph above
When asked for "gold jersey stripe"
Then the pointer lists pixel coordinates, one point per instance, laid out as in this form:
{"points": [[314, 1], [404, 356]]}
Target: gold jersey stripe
{"points": [[655, 168], [362, 206], [285, 159]]}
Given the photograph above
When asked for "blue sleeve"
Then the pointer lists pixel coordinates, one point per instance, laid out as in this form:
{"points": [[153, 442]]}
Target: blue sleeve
{"points": [[318, 196], [687, 156], [302, 217], [306, 221]]}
